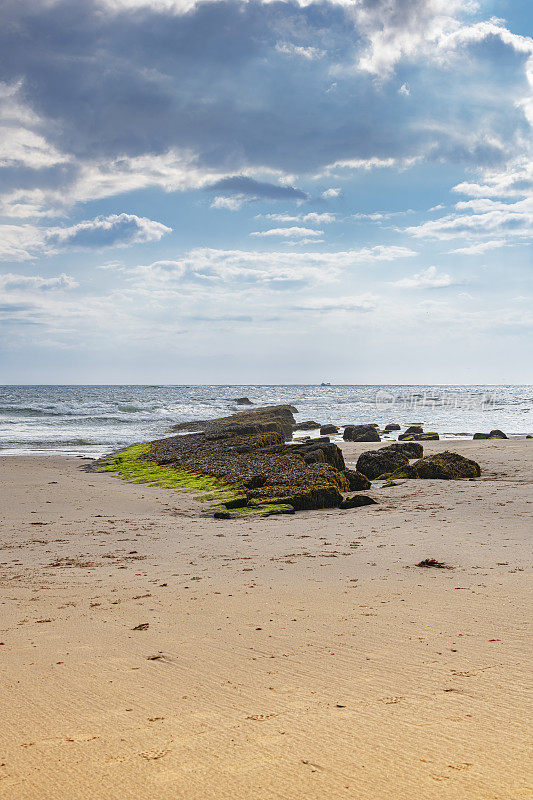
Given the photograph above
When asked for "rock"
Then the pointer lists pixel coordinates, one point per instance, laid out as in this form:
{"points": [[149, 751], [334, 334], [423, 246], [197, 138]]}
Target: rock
{"points": [[326, 429], [245, 457], [237, 502], [356, 501], [409, 449], [243, 401], [393, 426], [374, 463], [444, 466], [258, 420], [316, 450], [255, 482], [315, 457], [308, 425], [361, 433], [495, 434], [317, 497], [356, 480], [419, 437], [222, 515], [414, 429]]}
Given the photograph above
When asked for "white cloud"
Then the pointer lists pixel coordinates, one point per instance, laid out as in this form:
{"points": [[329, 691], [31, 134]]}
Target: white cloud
{"points": [[24, 242], [404, 89], [365, 302], [205, 267], [19, 242], [488, 217], [115, 230], [312, 218], [378, 216], [330, 193], [479, 248], [290, 49], [289, 233], [229, 203], [515, 181], [426, 279], [10, 281]]}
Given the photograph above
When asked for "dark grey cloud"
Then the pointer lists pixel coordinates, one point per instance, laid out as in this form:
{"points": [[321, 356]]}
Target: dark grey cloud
{"points": [[213, 82], [243, 186]]}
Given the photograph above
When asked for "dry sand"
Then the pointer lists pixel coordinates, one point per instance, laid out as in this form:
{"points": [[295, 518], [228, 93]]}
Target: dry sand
{"points": [[294, 657]]}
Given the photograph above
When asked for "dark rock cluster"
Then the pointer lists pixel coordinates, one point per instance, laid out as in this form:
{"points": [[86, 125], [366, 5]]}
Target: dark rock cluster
{"points": [[361, 433], [248, 452], [445, 466], [495, 434]]}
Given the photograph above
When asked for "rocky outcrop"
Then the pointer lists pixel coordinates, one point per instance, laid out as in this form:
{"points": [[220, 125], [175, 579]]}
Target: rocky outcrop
{"points": [[357, 501], [444, 466], [319, 450], [328, 429], [409, 449], [307, 425], [495, 434], [413, 429], [247, 461], [419, 437], [374, 463], [361, 433], [393, 426], [356, 480], [256, 421], [243, 401]]}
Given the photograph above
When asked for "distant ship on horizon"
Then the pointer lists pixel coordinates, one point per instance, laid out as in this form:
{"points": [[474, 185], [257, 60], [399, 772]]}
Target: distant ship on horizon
{"points": [[325, 384]]}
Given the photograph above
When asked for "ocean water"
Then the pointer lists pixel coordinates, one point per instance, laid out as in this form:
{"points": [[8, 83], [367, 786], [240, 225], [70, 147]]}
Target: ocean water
{"points": [[95, 420]]}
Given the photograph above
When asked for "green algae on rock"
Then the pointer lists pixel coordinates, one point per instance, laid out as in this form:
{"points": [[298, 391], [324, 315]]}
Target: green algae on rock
{"points": [[444, 466], [243, 462]]}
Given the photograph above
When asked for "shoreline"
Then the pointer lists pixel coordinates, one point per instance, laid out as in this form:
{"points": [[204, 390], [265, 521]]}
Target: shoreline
{"points": [[287, 657]]}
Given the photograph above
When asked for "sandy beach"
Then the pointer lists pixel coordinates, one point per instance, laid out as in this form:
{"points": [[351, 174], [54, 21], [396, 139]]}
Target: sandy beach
{"points": [[150, 652]]}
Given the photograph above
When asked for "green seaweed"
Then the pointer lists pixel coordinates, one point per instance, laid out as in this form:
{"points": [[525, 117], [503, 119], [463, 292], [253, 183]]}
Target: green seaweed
{"points": [[132, 465]]}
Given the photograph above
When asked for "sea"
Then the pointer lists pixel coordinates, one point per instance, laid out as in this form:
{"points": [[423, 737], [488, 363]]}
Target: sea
{"points": [[95, 420]]}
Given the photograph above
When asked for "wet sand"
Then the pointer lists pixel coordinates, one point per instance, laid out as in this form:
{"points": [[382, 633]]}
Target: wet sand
{"points": [[291, 657]]}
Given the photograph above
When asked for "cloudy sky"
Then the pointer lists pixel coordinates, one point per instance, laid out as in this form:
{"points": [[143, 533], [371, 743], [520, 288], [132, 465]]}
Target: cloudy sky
{"points": [[266, 192]]}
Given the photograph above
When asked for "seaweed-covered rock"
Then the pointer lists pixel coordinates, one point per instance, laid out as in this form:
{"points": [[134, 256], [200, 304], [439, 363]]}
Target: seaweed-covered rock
{"points": [[357, 501], [243, 401], [419, 437], [444, 466], [258, 420], [409, 449], [393, 426], [327, 429], [374, 463], [414, 429], [361, 433], [495, 434], [306, 499], [307, 425], [316, 450], [255, 482], [356, 480]]}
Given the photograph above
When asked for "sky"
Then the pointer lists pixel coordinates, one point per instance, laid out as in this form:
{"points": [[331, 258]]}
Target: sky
{"points": [[229, 192]]}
